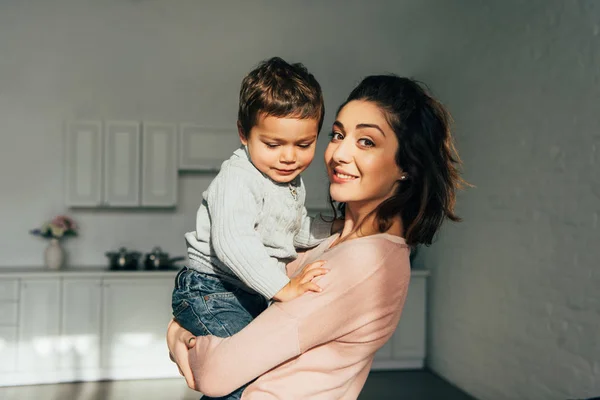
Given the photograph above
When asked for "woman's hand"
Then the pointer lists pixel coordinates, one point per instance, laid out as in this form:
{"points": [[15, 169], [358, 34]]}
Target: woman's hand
{"points": [[179, 342]]}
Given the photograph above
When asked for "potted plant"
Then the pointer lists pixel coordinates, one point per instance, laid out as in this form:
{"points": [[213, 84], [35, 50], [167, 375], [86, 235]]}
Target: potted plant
{"points": [[59, 227]]}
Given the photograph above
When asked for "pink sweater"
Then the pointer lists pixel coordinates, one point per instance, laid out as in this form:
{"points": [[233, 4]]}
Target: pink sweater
{"points": [[319, 346]]}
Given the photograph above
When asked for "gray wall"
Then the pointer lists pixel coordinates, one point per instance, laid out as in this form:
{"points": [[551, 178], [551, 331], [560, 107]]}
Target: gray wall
{"points": [[514, 300]]}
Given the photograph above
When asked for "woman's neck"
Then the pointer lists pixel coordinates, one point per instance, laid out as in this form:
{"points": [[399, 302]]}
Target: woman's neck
{"points": [[361, 221]]}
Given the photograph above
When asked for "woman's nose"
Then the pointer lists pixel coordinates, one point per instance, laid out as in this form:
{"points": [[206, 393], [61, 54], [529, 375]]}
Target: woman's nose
{"points": [[343, 153]]}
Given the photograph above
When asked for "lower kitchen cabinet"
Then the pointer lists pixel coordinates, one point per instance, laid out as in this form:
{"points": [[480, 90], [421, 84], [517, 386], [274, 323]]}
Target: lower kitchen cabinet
{"points": [[406, 348], [135, 316], [64, 326], [39, 325], [8, 349], [81, 305]]}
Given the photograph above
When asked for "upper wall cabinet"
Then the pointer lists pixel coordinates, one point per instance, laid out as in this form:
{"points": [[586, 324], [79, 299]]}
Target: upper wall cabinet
{"points": [[121, 164], [159, 165], [84, 163], [115, 164], [205, 149]]}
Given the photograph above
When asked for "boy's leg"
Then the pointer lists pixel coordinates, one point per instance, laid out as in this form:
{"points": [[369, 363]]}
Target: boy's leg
{"points": [[205, 305]]}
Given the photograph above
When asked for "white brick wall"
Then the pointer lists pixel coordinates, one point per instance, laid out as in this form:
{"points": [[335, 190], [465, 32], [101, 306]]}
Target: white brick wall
{"points": [[515, 290]]}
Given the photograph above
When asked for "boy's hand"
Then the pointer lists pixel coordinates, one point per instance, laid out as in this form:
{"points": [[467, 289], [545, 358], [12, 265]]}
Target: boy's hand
{"points": [[302, 282]]}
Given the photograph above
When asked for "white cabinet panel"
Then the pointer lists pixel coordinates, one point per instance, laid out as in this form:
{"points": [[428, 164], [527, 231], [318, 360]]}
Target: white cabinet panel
{"points": [[8, 348], [83, 163], [8, 313], [409, 338], [385, 353], [406, 348], [159, 165], [9, 289], [79, 345], [136, 313], [122, 164], [205, 149], [39, 324]]}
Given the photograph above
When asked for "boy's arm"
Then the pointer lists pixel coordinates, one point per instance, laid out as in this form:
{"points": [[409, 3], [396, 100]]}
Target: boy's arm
{"points": [[234, 206], [312, 232]]}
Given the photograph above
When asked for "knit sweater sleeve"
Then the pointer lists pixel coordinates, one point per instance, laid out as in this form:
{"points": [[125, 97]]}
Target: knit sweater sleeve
{"points": [[312, 232], [286, 330], [234, 200]]}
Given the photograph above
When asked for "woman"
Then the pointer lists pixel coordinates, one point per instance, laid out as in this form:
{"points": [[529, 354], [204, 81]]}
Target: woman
{"points": [[393, 170]]}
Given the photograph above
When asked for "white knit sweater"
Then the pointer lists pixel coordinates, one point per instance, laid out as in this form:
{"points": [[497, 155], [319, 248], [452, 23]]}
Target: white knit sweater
{"points": [[248, 227]]}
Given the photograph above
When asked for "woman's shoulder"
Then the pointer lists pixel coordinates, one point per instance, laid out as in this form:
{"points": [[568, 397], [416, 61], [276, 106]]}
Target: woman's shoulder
{"points": [[375, 246], [373, 252]]}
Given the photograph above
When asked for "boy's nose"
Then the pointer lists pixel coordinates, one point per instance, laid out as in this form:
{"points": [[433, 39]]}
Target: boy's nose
{"points": [[288, 156]]}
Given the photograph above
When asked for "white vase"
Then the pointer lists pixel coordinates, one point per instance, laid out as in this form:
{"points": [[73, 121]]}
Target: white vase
{"points": [[54, 256]]}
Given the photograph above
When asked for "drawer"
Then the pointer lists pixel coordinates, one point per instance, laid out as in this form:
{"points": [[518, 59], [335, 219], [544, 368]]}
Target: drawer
{"points": [[8, 349], [8, 313], [9, 289]]}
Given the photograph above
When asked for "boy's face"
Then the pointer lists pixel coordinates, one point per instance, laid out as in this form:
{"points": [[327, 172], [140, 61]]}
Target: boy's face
{"points": [[281, 148]]}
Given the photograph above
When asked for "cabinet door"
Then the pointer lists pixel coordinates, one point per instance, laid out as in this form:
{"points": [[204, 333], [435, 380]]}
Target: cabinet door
{"points": [[83, 152], [159, 165], [205, 149], [136, 313], [122, 164], [80, 324], [8, 348], [409, 338], [39, 313]]}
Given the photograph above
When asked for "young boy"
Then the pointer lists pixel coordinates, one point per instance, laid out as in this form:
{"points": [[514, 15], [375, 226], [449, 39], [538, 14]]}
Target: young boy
{"points": [[252, 217]]}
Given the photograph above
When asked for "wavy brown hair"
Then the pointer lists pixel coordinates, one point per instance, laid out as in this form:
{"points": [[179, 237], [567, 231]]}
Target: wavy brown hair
{"points": [[279, 89], [426, 153]]}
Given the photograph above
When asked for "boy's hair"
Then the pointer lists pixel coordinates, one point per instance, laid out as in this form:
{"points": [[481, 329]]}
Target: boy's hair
{"points": [[279, 89]]}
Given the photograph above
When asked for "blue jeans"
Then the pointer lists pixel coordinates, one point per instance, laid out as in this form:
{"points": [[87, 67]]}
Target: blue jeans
{"points": [[205, 305]]}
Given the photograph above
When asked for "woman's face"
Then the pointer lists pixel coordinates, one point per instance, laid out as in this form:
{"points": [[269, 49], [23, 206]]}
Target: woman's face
{"points": [[360, 157]]}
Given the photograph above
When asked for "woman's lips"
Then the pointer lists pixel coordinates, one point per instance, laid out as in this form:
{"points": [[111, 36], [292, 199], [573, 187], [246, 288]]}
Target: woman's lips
{"points": [[341, 177]]}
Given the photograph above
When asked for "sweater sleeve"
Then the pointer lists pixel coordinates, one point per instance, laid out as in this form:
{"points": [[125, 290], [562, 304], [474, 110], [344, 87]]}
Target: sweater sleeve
{"points": [[312, 232], [234, 206], [286, 330]]}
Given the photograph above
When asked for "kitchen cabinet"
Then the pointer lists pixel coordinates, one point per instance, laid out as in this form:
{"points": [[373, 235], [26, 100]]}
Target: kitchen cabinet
{"points": [[86, 326], [136, 313], [406, 348], [204, 149], [8, 349], [409, 339], [159, 165], [116, 164], [83, 155], [121, 164], [79, 345], [39, 324], [9, 302]]}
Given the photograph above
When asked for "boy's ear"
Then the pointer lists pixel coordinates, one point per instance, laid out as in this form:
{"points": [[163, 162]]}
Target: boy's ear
{"points": [[241, 134]]}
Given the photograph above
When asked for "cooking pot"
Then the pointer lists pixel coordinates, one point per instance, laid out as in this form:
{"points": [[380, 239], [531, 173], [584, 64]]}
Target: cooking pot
{"points": [[123, 259], [157, 259]]}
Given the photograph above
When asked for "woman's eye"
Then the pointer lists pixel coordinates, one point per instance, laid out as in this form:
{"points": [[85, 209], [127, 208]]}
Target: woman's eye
{"points": [[366, 142], [304, 145], [336, 136], [271, 145]]}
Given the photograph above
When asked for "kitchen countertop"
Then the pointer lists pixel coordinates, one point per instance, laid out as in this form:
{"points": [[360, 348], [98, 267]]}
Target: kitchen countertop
{"points": [[102, 271], [73, 272]]}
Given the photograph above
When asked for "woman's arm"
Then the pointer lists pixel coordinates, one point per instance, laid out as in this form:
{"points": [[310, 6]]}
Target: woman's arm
{"points": [[354, 294]]}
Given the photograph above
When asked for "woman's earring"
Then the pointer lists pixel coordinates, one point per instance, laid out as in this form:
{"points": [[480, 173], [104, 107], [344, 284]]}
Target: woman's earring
{"points": [[403, 178]]}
